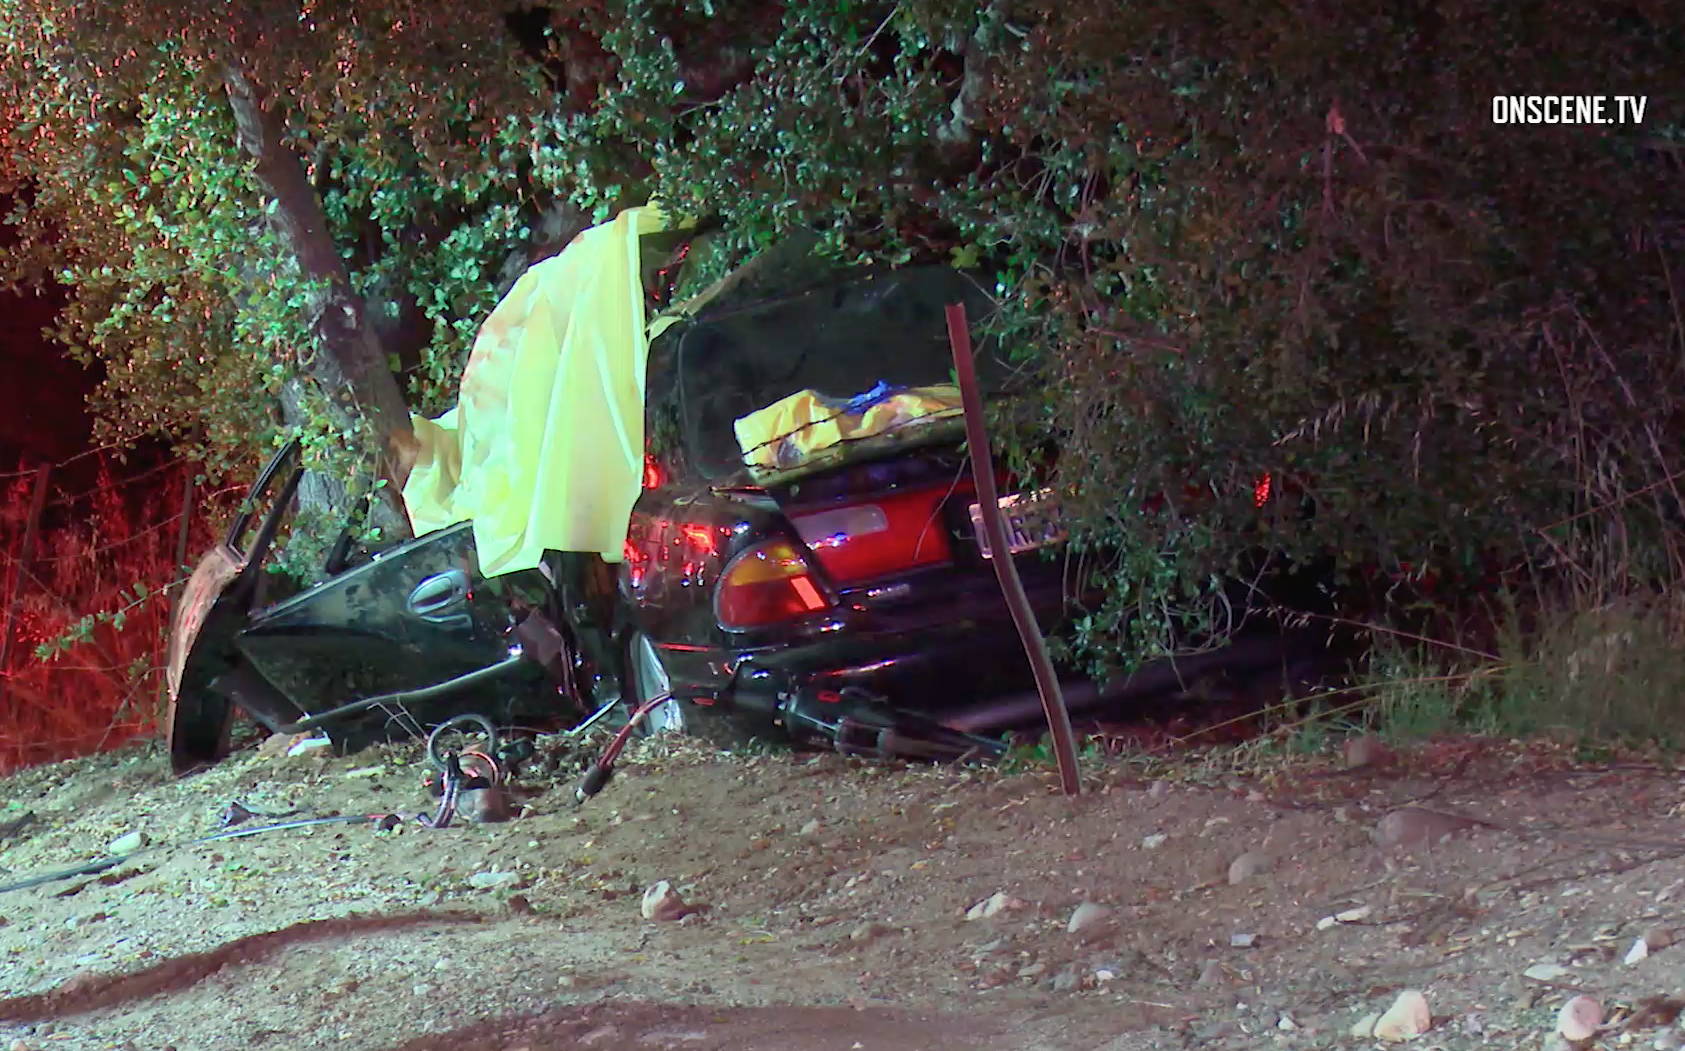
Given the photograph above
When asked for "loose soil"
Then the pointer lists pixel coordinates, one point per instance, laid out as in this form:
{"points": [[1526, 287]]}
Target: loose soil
{"points": [[830, 902]]}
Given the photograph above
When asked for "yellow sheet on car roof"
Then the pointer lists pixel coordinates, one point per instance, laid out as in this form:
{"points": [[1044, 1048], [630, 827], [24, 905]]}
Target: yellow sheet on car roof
{"points": [[545, 448]]}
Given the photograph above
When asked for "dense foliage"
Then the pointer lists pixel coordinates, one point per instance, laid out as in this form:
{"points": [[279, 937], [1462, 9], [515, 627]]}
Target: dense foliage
{"points": [[1229, 239], [265, 212]]}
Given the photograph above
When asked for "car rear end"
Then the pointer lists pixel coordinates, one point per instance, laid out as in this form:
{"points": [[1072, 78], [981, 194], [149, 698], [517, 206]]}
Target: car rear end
{"points": [[864, 577], [901, 547], [770, 604]]}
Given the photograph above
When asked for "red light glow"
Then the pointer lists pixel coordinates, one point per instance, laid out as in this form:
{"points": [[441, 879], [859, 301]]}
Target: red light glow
{"points": [[700, 538]]}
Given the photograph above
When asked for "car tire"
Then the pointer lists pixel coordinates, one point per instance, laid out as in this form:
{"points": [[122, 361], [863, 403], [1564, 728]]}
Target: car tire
{"points": [[199, 726]]}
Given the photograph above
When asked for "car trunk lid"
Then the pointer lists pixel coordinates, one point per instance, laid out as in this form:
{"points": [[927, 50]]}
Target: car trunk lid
{"points": [[872, 521]]}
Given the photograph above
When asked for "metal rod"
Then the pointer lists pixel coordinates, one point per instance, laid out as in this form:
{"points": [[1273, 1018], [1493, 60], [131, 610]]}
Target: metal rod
{"points": [[257, 830], [184, 531], [1006, 570], [98, 865], [596, 717], [403, 697]]}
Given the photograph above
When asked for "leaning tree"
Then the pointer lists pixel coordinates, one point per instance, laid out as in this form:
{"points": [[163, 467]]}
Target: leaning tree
{"points": [[269, 216]]}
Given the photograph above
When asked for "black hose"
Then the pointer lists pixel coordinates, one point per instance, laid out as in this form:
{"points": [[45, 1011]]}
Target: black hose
{"points": [[85, 869], [455, 722], [598, 773]]}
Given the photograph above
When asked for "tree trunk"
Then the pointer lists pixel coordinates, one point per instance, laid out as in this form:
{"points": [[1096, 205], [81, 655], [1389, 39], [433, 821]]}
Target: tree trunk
{"points": [[350, 367], [334, 496]]}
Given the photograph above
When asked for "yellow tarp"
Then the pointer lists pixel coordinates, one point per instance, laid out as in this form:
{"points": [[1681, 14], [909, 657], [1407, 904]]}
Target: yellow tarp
{"points": [[545, 448], [794, 429]]}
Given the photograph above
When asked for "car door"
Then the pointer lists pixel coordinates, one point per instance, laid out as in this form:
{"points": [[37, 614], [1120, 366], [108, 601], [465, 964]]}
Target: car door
{"points": [[409, 618], [204, 666]]}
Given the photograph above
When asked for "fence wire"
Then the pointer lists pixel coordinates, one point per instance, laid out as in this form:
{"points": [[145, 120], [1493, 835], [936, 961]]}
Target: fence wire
{"points": [[69, 566]]}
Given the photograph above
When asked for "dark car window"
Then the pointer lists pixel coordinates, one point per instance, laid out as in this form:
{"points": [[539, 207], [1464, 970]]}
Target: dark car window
{"points": [[840, 341]]}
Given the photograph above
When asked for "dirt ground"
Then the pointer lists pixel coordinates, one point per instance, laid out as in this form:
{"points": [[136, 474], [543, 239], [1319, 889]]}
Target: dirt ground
{"points": [[829, 904]]}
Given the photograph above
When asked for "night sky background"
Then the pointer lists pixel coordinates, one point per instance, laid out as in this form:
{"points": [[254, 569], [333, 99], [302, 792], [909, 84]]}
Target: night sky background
{"points": [[43, 415], [43, 393]]}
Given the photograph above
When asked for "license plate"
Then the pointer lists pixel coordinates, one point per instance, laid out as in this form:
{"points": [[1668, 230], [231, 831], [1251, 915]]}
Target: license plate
{"points": [[1029, 520]]}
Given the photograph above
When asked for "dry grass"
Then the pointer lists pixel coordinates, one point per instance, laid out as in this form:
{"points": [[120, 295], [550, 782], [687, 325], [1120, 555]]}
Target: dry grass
{"points": [[1605, 672], [95, 546]]}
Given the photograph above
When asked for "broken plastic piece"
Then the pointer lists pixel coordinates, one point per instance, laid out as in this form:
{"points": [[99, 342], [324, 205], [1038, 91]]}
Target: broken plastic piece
{"points": [[309, 744]]}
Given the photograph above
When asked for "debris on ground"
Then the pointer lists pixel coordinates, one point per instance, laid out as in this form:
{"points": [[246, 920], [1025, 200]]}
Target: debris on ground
{"points": [[992, 906], [981, 904]]}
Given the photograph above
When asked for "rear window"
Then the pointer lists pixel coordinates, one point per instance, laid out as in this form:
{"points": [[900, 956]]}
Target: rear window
{"points": [[839, 341]]}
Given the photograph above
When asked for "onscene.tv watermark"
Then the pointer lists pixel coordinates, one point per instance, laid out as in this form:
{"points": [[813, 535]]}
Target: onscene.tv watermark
{"points": [[1569, 109]]}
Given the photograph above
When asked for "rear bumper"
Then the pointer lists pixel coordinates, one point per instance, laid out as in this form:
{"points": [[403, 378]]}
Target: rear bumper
{"points": [[967, 671], [872, 693], [931, 669], [931, 659]]}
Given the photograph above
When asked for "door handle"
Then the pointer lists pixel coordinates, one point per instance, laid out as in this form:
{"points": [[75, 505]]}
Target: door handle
{"points": [[433, 597]]}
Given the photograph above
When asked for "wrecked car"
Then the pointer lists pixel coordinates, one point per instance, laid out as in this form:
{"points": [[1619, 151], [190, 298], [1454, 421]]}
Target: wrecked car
{"points": [[806, 558]]}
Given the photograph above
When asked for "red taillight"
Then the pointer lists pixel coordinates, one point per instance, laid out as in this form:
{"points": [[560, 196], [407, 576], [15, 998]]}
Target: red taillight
{"points": [[766, 584], [652, 473], [864, 541]]}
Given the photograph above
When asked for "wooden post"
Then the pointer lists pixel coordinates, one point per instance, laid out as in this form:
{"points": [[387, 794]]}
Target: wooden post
{"points": [[1006, 571], [37, 504]]}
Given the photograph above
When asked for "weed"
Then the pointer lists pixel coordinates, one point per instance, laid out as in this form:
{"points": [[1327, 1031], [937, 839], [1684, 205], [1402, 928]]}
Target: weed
{"points": [[1597, 674], [1610, 672]]}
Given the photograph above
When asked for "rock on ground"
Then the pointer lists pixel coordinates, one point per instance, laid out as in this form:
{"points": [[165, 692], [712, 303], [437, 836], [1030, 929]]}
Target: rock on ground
{"points": [[1579, 1019], [1409, 826], [1407, 1018], [662, 902], [1086, 915], [1249, 865]]}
